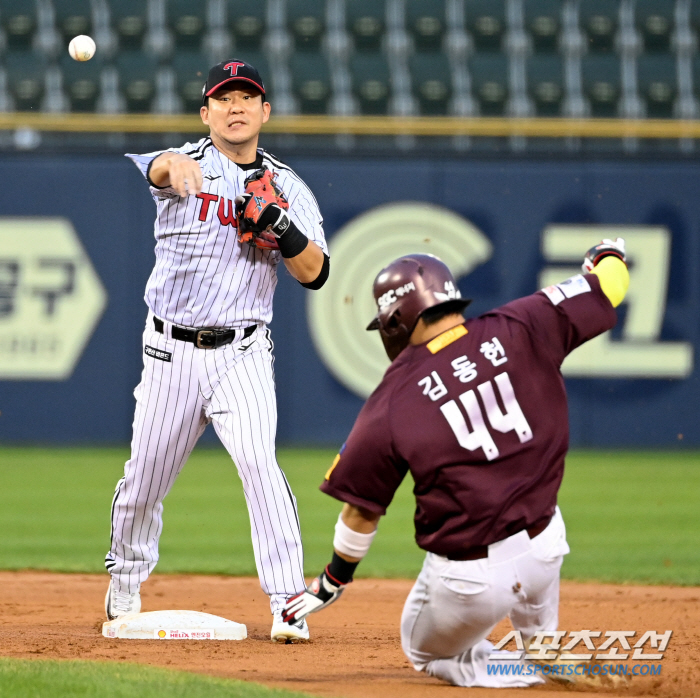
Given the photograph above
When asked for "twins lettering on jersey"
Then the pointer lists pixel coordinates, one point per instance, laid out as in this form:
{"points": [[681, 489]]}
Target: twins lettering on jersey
{"points": [[478, 436], [226, 210]]}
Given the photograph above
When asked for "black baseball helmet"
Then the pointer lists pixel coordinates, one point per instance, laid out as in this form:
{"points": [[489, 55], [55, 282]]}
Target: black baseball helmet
{"points": [[404, 290]]}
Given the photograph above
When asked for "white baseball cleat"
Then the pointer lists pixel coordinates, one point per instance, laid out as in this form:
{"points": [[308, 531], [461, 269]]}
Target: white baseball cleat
{"points": [[286, 633], [119, 603]]}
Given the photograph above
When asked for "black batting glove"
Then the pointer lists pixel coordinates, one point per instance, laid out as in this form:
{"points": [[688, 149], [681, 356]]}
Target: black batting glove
{"points": [[322, 592], [606, 248]]}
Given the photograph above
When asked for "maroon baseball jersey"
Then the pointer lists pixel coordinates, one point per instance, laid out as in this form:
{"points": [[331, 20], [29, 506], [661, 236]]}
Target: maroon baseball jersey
{"points": [[479, 417]]}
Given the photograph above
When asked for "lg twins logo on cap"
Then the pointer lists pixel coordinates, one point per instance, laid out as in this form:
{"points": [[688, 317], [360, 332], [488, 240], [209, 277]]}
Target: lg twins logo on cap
{"points": [[233, 67]]}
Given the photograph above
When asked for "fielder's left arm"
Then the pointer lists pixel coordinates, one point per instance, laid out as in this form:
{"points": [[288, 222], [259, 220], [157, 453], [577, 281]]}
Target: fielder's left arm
{"points": [[354, 533]]}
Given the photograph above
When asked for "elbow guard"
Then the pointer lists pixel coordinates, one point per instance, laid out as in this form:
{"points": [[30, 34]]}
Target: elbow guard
{"points": [[322, 275]]}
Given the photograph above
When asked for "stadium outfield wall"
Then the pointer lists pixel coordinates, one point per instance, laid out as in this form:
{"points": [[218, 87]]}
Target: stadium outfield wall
{"points": [[76, 247]]}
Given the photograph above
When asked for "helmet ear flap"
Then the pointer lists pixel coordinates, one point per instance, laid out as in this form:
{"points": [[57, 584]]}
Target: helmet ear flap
{"points": [[395, 335], [394, 320]]}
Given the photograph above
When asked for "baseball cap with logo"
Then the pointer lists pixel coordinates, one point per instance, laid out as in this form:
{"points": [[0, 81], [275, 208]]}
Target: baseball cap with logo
{"points": [[230, 71]]}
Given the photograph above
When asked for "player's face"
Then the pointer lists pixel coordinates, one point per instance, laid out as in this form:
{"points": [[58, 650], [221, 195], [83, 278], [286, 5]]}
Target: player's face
{"points": [[236, 115]]}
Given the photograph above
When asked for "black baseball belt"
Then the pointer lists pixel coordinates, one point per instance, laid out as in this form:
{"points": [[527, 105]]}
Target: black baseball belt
{"points": [[479, 552], [207, 337]]}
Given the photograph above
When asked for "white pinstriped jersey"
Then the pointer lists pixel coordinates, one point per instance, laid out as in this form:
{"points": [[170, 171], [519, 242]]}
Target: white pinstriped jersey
{"points": [[203, 277]]}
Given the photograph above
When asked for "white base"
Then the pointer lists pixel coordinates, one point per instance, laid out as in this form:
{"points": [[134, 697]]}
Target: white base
{"points": [[173, 625]]}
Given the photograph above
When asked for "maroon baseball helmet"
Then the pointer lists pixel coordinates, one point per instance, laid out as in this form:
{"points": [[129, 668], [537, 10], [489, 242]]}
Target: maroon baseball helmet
{"points": [[404, 290]]}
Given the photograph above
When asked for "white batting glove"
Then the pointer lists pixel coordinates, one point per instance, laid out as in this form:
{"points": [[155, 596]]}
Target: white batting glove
{"points": [[606, 248], [322, 592]]}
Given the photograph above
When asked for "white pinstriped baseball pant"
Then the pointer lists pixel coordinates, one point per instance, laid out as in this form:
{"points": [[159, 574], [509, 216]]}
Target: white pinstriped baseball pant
{"points": [[233, 387]]}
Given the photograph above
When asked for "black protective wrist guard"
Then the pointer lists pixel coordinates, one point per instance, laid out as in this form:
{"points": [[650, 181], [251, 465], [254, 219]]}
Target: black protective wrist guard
{"points": [[292, 242], [340, 570]]}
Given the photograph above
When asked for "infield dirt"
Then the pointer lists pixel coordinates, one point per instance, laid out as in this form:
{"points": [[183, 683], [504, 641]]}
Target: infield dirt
{"points": [[355, 650]]}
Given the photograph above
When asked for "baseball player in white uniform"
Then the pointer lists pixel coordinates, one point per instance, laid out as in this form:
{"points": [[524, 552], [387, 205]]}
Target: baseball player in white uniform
{"points": [[207, 349]]}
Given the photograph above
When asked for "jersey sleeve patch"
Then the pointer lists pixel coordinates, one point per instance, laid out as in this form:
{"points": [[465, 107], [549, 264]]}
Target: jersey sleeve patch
{"points": [[446, 338], [567, 289], [336, 460]]}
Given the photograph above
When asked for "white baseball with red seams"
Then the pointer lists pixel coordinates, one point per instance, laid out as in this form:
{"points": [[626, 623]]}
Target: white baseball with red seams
{"points": [[82, 48], [205, 278]]}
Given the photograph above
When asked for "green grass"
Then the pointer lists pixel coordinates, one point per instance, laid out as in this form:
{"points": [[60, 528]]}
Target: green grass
{"points": [[630, 516], [23, 678]]}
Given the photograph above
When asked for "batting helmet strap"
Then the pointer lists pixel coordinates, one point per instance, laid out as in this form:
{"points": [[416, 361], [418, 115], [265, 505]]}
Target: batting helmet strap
{"points": [[404, 290]]}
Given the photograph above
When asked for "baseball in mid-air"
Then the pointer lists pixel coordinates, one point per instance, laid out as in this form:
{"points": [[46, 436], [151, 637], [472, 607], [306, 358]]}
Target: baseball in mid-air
{"points": [[82, 48]]}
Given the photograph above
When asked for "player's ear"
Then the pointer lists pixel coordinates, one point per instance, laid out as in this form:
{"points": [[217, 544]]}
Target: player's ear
{"points": [[266, 111], [204, 113]]}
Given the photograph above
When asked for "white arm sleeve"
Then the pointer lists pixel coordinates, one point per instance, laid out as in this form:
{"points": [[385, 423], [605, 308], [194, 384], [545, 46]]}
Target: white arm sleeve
{"points": [[351, 543]]}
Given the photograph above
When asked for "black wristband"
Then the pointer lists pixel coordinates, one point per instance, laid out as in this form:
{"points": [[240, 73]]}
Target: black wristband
{"points": [[341, 570], [292, 242]]}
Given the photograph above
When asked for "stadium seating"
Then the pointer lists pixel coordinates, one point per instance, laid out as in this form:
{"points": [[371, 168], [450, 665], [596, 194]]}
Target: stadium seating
{"points": [[306, 23], [18, 19], [371, 82], [543, 23], [545, 79], [191, 69], [129, 22], [366, 22], [25, 78], [600, 20], [247, 23], [432, 83], [426, 22], [187, 21], [81, 83], [491, 57], [73, 18], [486, 22], [658, 84], [655, 22], [490, 82], [602, 83], [137, 79], [311, 82]]}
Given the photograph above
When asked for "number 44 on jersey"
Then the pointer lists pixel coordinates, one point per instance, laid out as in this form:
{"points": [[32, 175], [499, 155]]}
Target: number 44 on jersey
{"points": [[502, 421]]}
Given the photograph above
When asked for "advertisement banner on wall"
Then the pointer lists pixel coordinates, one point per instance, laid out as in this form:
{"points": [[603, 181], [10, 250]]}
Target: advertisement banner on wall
{"points": [[338, 317], [74, 264], [51, 298]]}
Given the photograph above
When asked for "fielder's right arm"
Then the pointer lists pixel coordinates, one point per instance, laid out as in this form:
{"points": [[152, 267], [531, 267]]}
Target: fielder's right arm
{"points": [[178, 171]]}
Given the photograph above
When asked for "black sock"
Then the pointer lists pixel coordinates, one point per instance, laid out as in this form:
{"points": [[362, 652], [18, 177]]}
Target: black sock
{"points": [[341, 570]]}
